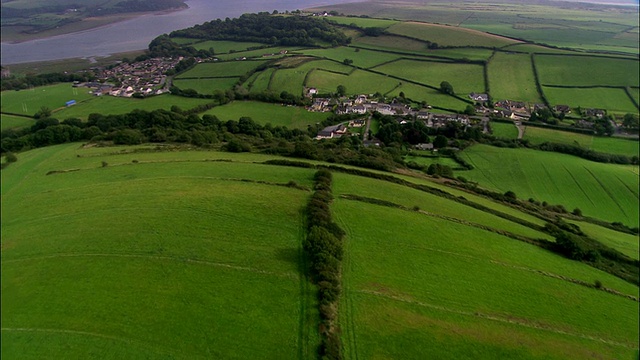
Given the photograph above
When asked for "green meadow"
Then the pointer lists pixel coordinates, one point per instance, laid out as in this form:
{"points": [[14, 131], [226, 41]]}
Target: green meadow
{"points": [[358, 82], [206, 86], [625, 243], [14, 122], [360, 57], [614, 100], [224, 47], [585, 70], [448, 35], [605, 191], [610, 145], [419, 93], [363, 22], [263, 113], [504, 130], [511, 77], [28, 102], [220, 69]]}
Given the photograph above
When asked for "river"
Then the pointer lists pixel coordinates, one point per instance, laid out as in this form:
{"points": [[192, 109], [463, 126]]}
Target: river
{"points": [[136, 33]]}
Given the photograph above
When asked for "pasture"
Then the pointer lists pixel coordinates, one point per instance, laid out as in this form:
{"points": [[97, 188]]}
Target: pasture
{"points": [[14, 122], [445, 35], [465, 78], [206, 85], [263, 113], [261, 81], [511, 77], [504, 130], [610, 145], [28, 102], [224, 47], [614, 100], [605, 191], [220, 69], [587, 71], [449, 290], [363, 22], [359, 82], [361, 58], [181, 275], [625, 243], [433, 97], [110, 105]]}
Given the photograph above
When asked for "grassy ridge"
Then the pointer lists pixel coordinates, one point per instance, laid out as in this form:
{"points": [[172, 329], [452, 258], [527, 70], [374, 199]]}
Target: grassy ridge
{"points": [[600, 190]]}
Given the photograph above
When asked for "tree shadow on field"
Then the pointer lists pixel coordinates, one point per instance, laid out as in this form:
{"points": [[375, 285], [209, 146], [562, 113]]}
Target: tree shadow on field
{"points": [[293, 256]]}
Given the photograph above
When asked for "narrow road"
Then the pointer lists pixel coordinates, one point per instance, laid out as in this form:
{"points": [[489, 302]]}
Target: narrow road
{"points": [[366, 129], [520, 127]]}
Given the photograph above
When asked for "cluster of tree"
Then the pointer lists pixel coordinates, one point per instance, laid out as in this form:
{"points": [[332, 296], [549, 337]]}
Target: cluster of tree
{"points": [[323, 246], [163, 46], [137, 6], [545, 115], [631, 121], [21, 83], [265, 28], [587, 153]]}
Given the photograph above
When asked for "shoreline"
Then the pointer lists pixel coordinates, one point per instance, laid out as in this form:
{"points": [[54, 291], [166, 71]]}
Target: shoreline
{"points": [[121, 18]]}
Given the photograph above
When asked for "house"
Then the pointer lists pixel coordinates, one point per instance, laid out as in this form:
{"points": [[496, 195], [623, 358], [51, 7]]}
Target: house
{"points": [[423, 146], [357, 109], [423, 115], [357, 123], [312, 91], [384, 109], [360, 99], [332, 131], [538, 107], [564, 109], [479, 97], [599, 113]]}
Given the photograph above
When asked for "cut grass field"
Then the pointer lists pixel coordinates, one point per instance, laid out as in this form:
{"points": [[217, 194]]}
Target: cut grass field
{"points": [[14, 122], [220, 69], [503, 130], [610, 145], [263, 113], [449, 35], [206, 86], [465, 78], [587, 71], [402, 294], [605, 191], [614, 100], [28, 102], [511, 77], [177, 277]]}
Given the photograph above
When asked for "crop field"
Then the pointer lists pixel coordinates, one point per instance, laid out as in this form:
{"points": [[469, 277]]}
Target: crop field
{"points": [[586, 70], [110, 105], [205, 292], [614, 100], [363, 22], [464, 78], [449, 35], [28, 102], [605, 191], [625, 243], [503, 130], [361, 58], [220, 69], [359, 82], [14, 122], [610, 145], [206, 86], [402, 294], [511, 77], [262, 113], [225, 47]]}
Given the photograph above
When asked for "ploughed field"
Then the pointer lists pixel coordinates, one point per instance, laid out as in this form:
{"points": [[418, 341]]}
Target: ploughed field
{"points": [[146, 252]]}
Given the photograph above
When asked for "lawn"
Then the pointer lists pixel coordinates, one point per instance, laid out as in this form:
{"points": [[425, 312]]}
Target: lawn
{"points": [[263, 113], [110, 105], [449, 35], [587, 70], [206, 86], [14, 122], [613, 100], [511, 77], [456, 292], [604, 144], [504, 131], [605, 191], [465, 78], [220, 69], [179, 276], [28, 102]]}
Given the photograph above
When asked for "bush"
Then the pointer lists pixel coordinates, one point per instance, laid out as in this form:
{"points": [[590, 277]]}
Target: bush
{"points": [[11, 157]]}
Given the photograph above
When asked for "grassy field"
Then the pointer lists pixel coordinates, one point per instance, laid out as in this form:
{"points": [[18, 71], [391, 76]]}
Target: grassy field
{"points": [[225, 47], [448, 35], [403, 294], [503, 130], [419, 93], [13, 122], [465, 78], [609, 145], [585, 70], [605, 191], [110, 105], [206, 86], [28, 102], [417, 47], [511, 77], [359, 82], [261, 81], [262, 113], [614, 100], [625, 243], [363, 22], [220, 69], [180, 276], [361, 58]]}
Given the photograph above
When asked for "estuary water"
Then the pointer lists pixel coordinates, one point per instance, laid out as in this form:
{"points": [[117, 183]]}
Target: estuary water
{"points": [[136, 33]]}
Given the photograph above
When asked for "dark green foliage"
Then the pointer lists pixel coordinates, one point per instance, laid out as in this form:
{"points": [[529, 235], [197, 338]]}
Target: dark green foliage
{"points": [[20, 83], [446, 88], [11, 157], [440, 142]]}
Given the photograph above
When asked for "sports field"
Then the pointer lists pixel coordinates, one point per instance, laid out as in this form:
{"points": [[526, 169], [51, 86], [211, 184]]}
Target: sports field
{"points": [[605, 191], [28, 102], [263, 113], [224, 47], [610, 145], [511, 77]]}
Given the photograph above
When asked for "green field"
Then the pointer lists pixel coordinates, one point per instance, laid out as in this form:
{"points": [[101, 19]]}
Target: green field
{"points": [[603, 144], [263, 113], [419, 93], [225, 47], [110, 105], [455, 292], [220, 69], [613, 100], [363, 22], [13, 122], [511, 77], [206, 86], [465, 78], [585, 70], [176, 278], [261, 81], [448, 35], [28, 102], [503, 130], [625, 243], [361, 58], [605, 191], [359, 82]]}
